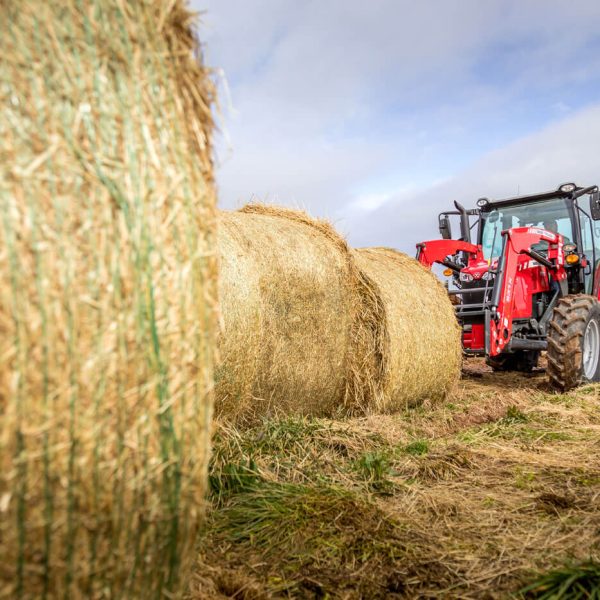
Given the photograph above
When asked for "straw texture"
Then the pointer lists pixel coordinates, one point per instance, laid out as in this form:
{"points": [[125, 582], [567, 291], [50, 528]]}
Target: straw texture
{"points": [[282, 348], [311, 327], [107, 294], [422, 339]]}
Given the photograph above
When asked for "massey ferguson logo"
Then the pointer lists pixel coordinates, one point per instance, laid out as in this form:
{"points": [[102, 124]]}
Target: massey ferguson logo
{"points": [[542, 232]]}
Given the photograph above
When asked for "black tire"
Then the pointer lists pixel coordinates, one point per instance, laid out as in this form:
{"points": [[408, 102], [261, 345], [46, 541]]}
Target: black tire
{"points": [[500, 363], [572, 359], [521, 361]]}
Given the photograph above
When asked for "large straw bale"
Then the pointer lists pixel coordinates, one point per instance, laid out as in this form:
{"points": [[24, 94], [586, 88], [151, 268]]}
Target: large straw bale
{"points": [[107, 292], [296, 316], [422, 354]]}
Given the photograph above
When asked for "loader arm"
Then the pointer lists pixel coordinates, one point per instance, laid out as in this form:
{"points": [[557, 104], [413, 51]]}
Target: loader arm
{"points": [[517, 242]]}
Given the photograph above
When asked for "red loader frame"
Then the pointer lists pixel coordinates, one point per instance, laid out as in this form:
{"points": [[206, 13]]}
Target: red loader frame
{"points": [[518, 275]]}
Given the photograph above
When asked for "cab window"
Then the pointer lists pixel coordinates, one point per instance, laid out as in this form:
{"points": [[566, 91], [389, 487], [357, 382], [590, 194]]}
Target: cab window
{"points": [[552, 214]]}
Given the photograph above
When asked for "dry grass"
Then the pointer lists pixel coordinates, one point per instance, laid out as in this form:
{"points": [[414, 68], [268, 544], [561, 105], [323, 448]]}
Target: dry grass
{"points": [[473, 498], [107, 296]]}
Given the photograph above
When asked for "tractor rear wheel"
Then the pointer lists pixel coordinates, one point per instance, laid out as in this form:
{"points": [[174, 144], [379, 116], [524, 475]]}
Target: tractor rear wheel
{"points": [[574, 342]]}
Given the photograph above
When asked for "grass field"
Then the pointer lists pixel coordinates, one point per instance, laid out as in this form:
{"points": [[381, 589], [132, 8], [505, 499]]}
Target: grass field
{"points": [[493, 494]]}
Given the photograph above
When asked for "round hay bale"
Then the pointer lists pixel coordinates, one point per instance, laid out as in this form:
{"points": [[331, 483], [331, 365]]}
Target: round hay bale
{"points": [[296, 317], [107, 297], [422, 351]]}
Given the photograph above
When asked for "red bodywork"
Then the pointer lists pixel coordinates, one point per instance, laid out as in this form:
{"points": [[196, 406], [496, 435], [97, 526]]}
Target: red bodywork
{"points": [[522, 277]]}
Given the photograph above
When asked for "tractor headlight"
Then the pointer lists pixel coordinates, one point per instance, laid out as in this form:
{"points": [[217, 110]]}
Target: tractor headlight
{"points": [[467, 277], [487, 276], [569, 247]]}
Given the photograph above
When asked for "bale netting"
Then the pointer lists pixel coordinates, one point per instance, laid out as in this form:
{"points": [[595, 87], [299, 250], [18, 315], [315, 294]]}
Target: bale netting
{"points": [[107, 297], [298, 318], [422, 340]]}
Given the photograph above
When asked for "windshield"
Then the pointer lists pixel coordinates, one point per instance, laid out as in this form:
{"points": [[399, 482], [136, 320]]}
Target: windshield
{"points": [[552, 215]]}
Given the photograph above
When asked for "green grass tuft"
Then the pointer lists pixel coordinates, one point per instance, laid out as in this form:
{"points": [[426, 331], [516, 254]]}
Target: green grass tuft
{"points": [[417, 448], [374, 466], [514, 415], [573, 582], [232, 478], [305, 534]]}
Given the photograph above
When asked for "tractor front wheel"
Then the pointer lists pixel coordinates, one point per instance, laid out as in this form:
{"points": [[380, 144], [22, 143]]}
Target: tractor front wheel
{"points": [[523, 361], [574, 342]]}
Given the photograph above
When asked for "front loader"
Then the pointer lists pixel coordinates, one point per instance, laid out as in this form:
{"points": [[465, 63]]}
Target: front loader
{"points": [[529, 283]]}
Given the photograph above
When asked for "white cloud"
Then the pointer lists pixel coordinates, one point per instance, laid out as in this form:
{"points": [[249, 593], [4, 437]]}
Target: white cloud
{"points": [[562, 152], [351, 109]]}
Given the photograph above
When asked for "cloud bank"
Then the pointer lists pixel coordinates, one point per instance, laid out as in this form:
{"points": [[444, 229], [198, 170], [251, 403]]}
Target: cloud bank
{"points": [[376, 115]]}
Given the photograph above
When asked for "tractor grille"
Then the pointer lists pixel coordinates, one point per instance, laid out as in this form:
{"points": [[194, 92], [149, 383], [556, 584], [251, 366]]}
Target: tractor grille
{"points": [[475, 298]]}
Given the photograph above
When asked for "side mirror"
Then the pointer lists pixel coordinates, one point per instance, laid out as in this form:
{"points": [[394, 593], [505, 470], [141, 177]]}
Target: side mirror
{"points": [[595, 205], [444, 226]]}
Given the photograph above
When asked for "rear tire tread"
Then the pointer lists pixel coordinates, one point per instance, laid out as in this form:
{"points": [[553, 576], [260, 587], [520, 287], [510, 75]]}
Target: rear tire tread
{"points": [[565, 335]]}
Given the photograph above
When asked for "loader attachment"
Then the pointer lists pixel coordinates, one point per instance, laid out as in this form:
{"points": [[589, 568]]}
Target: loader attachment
{"points": [[493, 294], [519, 265], [439, 251]]}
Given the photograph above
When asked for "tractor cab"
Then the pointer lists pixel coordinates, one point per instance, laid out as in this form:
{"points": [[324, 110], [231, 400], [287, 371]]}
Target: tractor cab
{"points": [[516, 263], [571, 211]]}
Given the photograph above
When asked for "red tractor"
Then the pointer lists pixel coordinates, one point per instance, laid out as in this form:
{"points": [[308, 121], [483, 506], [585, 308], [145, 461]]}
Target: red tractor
{"points": [[530, 283]]}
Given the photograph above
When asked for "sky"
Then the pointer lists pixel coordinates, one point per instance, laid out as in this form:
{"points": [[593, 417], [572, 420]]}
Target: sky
{"points": [[378, 114]]}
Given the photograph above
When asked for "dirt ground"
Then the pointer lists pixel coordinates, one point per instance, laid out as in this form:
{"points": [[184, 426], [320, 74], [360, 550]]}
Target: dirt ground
{"points": [[473, 498]]}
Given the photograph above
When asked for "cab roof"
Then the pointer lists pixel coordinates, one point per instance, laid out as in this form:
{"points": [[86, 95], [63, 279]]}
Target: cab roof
{"points": [[570, 192]]}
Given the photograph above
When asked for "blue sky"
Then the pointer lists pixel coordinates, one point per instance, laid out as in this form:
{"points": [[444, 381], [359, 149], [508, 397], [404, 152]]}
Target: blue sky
{"points": [[376, 115]]}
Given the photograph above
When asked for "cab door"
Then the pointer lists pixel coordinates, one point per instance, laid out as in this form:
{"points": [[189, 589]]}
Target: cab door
{"points": [[590, 240]]}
